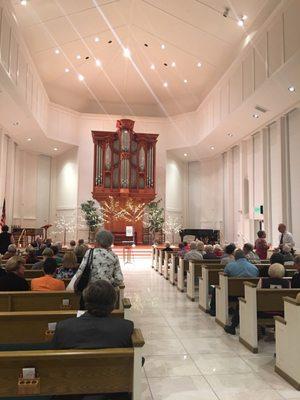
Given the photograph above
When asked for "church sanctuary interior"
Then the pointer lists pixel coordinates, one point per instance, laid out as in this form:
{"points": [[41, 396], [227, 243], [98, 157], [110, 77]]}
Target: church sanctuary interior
{"points": [[149, 199]]}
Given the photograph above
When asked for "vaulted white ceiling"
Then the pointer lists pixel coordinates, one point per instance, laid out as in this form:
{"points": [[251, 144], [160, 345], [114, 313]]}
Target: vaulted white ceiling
{"points": [[192, 31]]}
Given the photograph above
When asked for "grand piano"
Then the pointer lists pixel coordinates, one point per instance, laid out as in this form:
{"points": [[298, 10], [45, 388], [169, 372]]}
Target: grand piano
{"points": [[207, 236]]}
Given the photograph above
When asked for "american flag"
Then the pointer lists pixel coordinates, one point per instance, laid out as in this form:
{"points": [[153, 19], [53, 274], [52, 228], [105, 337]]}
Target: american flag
{"points": [[3, 216]]}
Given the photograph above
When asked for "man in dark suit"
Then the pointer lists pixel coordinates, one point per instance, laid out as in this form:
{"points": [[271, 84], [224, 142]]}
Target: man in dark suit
{"points": [[95, 329]]}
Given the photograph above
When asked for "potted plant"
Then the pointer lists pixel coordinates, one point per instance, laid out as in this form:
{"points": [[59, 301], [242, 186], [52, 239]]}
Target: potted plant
{"points": [[154, 220], [93, 217]]}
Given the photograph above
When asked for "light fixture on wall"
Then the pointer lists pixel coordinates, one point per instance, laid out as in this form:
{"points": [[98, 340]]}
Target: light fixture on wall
{"points": [[292, 88]]}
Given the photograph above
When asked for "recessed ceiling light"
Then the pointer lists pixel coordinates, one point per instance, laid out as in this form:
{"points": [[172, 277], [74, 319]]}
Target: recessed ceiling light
{"points": [[78, 56], [98, 63], [146, 44], [96, 39], [229, 134], [126, 52], [29, 139], [152, 66], [165, 84], [240, 22], [165, 64], [212, 147], [67, 70], [56, 51], [292, 88], [199, 64], [16, 123], [55, 148], [162, 46], [185, 155], [81, 77], [185, 81], [109, 42], [173, 64], [255, 116], [23, 2], [244, 17]]}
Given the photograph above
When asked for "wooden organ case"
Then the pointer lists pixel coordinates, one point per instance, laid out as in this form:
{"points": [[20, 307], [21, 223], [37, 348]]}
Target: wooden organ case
{"points": [[124, 167]]}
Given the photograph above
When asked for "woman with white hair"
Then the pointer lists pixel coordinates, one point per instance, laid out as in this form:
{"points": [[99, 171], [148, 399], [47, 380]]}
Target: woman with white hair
{"points": [[193, 254], [276, 279], [210, 254], [105, 263], [11, 252]]}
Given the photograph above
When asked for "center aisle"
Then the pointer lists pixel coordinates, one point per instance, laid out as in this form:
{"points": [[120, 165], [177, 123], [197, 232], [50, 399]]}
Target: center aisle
{"points": [[188, 356]]}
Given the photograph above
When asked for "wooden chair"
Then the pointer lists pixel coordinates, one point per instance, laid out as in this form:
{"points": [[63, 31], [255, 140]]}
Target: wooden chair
{"points": [[228, 286], [32, 326], [287, 342], [255, 300], [66, 372], [209, 276]]}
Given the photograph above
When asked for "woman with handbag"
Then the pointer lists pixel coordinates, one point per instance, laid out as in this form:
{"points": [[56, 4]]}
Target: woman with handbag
{"points": [[99, 263]]}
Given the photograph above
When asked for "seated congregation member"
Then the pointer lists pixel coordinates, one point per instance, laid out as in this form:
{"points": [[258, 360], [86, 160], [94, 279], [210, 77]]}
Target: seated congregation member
{"points": [[249, 253], [167, 247], [69, 266], [47, 253], [31, 257], [80, 250], [296, 278], [241, 267], [57, 257], [105, 263], [193, 254], [200, 247], [182, 250], [37, 243], [288, 257], [209, 253], [72, 245], [48, 282], [228, 254], [11, 252], [275, 280], [6, 239], [218, 250], [276, 257], [261, 246], [14, 279], [96, 328]]}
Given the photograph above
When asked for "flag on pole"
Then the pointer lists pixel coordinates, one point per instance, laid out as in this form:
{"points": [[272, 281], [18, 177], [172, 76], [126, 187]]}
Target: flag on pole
{"points": [[3, 216]]}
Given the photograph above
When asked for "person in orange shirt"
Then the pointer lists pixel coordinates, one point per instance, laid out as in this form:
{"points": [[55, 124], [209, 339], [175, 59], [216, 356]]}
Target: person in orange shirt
{"points": [[47, 282]]}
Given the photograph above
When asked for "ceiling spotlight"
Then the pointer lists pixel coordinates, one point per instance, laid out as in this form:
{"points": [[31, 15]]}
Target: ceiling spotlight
{"points": [[55, 148], [185, 81], [199, 64], [212, 147], [292, 88], [244, 17], [229, 134], [29, 139], [126, 52], [173, 64], [165, 84], [255, 116], [78, 56], [98, 63], [96, 39], [23, 2], [67, 70], [185, 155], [162, 46], [81, 77], [240, 22], [56, 51], [226, 12], [152, 66]]}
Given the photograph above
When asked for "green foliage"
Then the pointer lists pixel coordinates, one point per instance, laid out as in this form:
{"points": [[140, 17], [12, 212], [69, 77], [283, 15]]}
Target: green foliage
{"points": [[155, 216], [92, 216]]}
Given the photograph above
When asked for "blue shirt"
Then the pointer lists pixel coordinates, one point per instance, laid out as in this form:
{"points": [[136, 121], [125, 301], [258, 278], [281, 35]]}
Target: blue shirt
{"points": [[242, 268]]}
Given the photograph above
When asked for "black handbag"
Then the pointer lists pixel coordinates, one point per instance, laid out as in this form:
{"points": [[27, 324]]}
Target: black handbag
{"points": [[83, 280]]}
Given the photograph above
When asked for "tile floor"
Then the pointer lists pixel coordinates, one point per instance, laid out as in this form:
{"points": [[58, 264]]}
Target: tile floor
{"points": [[188, 356]]}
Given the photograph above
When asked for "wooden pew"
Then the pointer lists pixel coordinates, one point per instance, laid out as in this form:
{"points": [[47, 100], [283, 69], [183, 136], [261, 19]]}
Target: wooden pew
{"points": [[66, 281], [228, 286], [173, 266], [32, 326], [193, 273], [161, 254], [183, 266], [156, 254], [287, 332], [256, 300], [209, 276], [64, 372], [167, 259], [153, 256], [33, 273]]}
